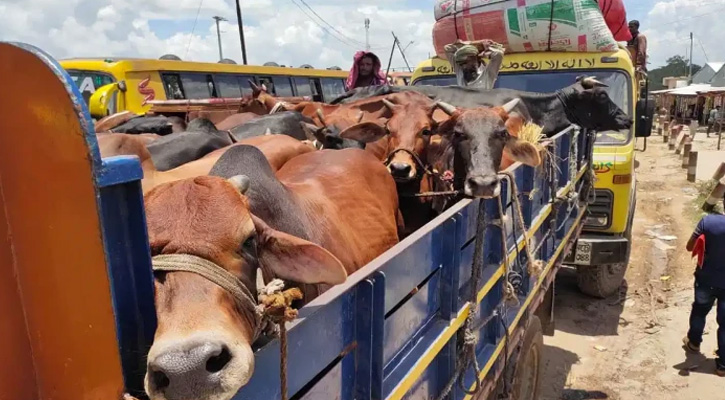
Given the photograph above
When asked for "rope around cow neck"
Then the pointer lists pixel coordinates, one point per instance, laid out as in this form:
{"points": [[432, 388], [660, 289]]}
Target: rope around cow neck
{"points": [[272, 306]]}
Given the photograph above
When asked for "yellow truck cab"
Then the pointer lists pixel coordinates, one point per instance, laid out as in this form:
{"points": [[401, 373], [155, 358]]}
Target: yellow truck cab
{"points": [[602, 251]]}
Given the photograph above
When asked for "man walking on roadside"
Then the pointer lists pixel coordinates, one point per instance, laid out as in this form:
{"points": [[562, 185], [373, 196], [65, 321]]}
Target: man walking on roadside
{"points": [[712, 119], [708, 240]]}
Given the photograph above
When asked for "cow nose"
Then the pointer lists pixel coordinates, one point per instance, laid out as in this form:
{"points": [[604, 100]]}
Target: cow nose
{"points": [[400, 170], [482, 186], [183, 371]]}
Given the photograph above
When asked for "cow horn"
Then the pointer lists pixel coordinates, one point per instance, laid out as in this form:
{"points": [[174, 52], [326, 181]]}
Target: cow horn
{"points": [[389, 104], [321, 117], [360, 116], [268, 132], [447, 108], [591, 82], [508, 107], [240, 182], [254, 86]]}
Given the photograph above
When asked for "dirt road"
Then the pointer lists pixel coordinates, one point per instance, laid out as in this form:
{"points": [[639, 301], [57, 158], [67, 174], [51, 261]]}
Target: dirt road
{"points": [[630, 346]]}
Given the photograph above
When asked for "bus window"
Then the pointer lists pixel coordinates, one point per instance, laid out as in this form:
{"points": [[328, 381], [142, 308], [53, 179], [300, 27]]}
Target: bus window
{"points": [[172, 85], [197, 86], [316, 89], [244, 84], [227, 86], [304, 87], [332, 87], [282, 86], [267, 82]]}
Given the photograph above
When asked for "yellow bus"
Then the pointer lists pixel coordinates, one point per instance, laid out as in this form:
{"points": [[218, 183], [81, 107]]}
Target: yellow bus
{"points": [[603, 250], [130, 83]]}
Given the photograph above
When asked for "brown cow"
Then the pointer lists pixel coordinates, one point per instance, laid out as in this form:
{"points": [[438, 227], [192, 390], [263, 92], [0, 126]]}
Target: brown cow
{"points": [[278, 149], [326, 215]]}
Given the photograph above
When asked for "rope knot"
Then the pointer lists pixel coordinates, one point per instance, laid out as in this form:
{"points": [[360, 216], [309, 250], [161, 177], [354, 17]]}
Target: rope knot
{"points": [[276, 303]]}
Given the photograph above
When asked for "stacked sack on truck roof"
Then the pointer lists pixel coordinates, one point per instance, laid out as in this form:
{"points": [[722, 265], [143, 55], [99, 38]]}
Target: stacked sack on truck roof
{"points": [[532, 25]]}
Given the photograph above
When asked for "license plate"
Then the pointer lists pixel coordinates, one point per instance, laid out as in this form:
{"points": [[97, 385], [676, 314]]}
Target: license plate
{"points": [[583, 253]]}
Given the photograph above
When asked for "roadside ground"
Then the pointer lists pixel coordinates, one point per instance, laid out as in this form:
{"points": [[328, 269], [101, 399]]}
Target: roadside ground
{"points": [[629, 346]]}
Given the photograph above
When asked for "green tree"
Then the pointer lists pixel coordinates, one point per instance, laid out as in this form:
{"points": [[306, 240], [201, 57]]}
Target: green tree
{"points": [[676, 66]]}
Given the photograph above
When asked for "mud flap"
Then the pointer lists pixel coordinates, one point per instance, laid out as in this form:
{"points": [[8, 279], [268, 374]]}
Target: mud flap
{"points": [[545, 312]]}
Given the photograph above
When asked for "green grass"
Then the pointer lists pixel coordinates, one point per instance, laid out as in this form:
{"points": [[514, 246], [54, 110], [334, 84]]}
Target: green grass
{"points": [[704, 188]]}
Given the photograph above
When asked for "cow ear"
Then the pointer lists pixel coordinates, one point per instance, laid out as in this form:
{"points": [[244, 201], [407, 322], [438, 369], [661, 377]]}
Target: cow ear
{"points": [[523, 151], [365, 132], [293, 259], [312, 132], [514, 123]]}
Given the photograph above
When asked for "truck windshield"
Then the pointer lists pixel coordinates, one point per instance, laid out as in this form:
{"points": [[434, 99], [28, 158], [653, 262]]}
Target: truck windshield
{"points": [[619, 90]]}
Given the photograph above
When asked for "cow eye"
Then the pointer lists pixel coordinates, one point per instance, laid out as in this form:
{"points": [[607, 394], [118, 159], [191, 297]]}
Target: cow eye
{"points": [[426, 132], [250, 245]]}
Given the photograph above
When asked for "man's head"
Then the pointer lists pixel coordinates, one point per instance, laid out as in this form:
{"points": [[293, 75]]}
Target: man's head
{"points": [[467, 59], [634, 26], [366, 65]]}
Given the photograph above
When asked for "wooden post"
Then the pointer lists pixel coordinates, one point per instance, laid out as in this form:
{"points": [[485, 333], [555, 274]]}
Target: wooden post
{"points": [[666, 131], [692, 167], [674, 136], [681, 142], [716, 195], [686, 152]]}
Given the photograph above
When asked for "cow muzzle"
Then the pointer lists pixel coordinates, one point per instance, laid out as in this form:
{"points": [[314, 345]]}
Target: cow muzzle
{"points": [[202, 368], [402, 166], [482, 186]]}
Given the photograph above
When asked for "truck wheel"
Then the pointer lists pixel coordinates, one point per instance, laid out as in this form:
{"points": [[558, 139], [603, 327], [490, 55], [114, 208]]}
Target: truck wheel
{"points": [[527, 377], [600, 280]]}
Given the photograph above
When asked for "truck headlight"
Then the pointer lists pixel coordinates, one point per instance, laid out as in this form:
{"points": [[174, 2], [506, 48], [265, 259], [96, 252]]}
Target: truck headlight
{"points": [[597, 221]]}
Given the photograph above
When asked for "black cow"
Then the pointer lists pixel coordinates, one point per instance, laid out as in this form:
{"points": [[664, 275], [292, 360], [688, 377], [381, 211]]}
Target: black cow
{"points": [[284, 123], [201, 137], [584, 103]]}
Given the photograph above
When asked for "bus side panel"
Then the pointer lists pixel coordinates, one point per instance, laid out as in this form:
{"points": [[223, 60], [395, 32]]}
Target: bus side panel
{"points": [[143, 86], [51, 206]]}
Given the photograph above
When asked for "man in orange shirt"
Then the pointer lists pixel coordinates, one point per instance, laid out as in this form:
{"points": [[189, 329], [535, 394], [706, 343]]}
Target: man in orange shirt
{"points": [[639, 44]]}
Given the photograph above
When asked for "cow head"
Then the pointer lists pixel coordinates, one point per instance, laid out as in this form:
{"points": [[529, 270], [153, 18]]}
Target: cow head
{"points": [[588, 104], [409, 130], [202, 348], [329, 138], [479, 137], [260, 103], [201, 125]]}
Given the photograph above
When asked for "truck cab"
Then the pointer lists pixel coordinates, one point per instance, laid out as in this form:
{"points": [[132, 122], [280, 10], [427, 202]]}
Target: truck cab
{"points": [[602, 251]]}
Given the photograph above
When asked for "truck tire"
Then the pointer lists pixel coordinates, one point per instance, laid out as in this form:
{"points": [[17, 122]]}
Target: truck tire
{"points": [[600, 280], [526, 383]]}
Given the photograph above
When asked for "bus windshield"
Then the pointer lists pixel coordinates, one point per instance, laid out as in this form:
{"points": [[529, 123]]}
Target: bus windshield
{"points": [[619, 90], [89, 81]]}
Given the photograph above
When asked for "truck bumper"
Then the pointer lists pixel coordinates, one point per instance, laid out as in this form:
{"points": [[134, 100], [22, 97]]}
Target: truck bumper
{"points": [[598, 250]]}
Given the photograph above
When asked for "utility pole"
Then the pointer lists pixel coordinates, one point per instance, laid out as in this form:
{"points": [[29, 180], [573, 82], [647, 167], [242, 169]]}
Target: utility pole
{"points": [[241, 33], [689, 79], [367, 34], [219, 35], [397, 43]]}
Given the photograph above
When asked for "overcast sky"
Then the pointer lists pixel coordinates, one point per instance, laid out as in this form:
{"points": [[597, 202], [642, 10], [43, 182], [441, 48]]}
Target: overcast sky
{"points": [[277, 30]]}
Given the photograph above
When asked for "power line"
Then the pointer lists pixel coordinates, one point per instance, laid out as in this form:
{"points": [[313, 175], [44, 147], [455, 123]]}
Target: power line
{"points": [[322, 27], [691, 17], [703, 50], [193, 28], [332, 27]]}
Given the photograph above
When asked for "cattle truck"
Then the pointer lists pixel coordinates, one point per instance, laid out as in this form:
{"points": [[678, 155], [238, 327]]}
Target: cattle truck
{"points": [[602, 252], [76, 286]]}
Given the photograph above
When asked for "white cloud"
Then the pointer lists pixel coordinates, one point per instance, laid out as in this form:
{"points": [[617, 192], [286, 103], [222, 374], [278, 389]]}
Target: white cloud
{"points": [[668, 26], [275, 30]]}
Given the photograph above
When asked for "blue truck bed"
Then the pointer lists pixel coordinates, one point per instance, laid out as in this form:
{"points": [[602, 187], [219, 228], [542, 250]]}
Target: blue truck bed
{"points": [[391, 331]]}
